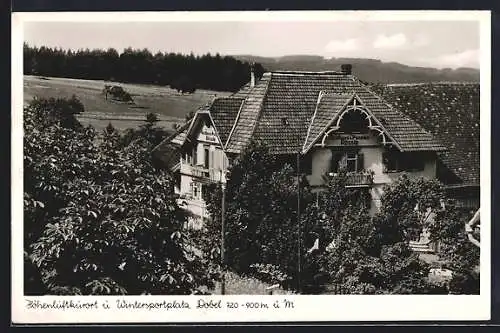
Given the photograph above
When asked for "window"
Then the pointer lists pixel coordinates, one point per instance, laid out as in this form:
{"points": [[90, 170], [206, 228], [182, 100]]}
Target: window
{"points": [[416, 237], [194, 160], [350, 162], [196, 190], [395, 162], [411, 162], [391, 161], [207, 157], [354, 122], [189, 158], [306, 165]]}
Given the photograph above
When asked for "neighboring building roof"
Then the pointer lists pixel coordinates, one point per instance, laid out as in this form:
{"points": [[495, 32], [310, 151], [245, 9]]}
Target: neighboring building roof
{"points": [[180, 135], [451, 112]]}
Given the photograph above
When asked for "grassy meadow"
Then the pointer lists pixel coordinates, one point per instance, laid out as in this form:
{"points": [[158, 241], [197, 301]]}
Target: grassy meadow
{"points": [[168, 104]]}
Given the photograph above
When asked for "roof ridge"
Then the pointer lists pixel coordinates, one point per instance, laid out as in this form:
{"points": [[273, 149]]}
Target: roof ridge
{"points": [[298, 72], [227, 97], [266, 83], [320, 96]]}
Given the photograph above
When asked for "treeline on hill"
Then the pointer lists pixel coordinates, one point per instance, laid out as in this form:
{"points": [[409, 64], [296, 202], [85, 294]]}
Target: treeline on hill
{"points": [[182, 72]]}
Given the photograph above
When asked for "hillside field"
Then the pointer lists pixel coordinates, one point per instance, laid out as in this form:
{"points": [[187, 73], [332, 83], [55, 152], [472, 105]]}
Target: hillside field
{"points": [[168, 104]]}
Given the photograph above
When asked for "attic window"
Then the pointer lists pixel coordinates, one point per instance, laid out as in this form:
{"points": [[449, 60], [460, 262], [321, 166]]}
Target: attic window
{"points": [[354, 121]]}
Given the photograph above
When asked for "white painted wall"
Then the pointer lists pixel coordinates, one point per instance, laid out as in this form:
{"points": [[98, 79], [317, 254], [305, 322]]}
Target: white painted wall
{"points": [[321, 159], [218, 164], [373, 160]]}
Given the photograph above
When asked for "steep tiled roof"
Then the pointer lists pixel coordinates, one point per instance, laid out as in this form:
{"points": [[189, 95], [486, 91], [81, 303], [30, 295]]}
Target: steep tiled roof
{"points": [[294, 95], [169, 153], [328, 107], [224, 112], [248, 116], [465, 164], [260, 111], [407, 133]]}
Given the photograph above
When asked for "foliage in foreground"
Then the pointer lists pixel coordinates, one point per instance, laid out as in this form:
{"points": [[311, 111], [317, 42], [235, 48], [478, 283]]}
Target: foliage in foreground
{"points": [[261, 215], [456, 251], [357, 252], [99, 218], [371, 255]]}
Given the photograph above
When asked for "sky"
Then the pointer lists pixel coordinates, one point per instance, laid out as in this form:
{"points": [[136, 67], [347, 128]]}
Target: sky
{"points": [[437, 44]]}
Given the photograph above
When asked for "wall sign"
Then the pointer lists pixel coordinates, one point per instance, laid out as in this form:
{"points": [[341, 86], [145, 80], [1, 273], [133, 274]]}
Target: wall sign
{"points": [[350, 140]]}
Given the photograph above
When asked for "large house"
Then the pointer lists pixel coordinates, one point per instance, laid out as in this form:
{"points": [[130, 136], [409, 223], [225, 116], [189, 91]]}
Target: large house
{"points": [[331, 118]]}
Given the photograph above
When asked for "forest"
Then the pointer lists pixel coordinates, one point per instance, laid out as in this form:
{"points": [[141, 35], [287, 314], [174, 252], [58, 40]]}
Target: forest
{"points": [[182, 72]]}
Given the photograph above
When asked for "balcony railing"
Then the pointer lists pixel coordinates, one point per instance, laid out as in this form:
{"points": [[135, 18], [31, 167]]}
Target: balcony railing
{"points": [[199, 171], [356, 179]]}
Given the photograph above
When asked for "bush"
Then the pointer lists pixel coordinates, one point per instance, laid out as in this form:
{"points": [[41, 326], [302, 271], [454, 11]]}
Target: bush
{"points": [[100, 218], [117, 93]]}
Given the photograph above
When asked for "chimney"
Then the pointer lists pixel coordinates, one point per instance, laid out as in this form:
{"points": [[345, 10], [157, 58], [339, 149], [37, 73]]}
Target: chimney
{"points": [[252, 75], [346, 69]]}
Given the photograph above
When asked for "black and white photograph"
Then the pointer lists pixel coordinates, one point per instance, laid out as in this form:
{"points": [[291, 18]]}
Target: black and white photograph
{"points": [[271, 157]]}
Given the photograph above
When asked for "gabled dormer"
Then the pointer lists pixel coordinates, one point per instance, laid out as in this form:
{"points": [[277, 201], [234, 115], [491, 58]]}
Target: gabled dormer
{"points": [[339, 114]]}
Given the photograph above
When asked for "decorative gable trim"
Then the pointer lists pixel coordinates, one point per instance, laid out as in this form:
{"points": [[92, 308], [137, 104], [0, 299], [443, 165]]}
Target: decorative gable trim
{"points": [[197, 115], [334, 123], [379, 127], [306, 149]]}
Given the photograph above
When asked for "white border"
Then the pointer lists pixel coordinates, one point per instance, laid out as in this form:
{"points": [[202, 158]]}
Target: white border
{"points": [[307, 308]]}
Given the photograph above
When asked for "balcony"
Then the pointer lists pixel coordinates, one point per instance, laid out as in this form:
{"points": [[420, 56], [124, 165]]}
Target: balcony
{"points": [[356, 179], [200, 172]]}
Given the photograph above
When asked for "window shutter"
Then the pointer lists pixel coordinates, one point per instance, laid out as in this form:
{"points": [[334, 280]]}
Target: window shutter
{"points": [[197, 155], [216, 159], [343, 162], [334, 167], [306, 165], [200, 158], [225, 161], [361, 162], [385, 161]]}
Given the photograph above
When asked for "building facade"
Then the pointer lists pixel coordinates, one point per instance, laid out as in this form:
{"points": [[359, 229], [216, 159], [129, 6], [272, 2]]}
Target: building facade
{"points": [[331, 119]]}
